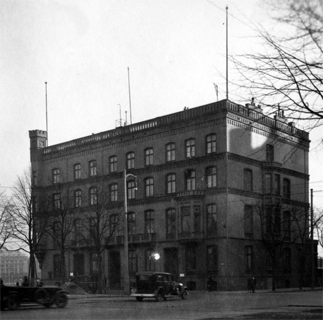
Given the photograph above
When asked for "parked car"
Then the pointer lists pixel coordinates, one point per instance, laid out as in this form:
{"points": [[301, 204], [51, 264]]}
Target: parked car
{"points": [[13, 296], [157, 285]]}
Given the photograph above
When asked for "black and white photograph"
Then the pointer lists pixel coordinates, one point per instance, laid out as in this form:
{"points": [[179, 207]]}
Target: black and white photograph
{"points": [[161, 159]]}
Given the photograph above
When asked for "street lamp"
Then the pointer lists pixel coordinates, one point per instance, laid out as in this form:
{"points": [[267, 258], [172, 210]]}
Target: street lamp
{"points": [[126, 257]]}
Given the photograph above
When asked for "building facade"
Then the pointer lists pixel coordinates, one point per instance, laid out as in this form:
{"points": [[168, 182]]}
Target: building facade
{"points": [[209, 183], [13, 266]]}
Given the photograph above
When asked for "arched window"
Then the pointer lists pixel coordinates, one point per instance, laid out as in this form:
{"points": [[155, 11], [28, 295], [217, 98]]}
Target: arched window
{"points": [[77, 171], [92, 168]]}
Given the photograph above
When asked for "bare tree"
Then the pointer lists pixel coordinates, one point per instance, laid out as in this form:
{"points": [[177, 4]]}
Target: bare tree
{"points": [[289, 69], [6, 220], [62, 224], [318, 225], [101, 222], [29, 226]]}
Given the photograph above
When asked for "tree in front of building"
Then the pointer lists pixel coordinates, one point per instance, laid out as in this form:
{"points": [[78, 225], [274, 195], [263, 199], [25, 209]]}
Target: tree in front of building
{"points": [[62, 222], [100, 223], [288, 69], [29, 227], [6, 220], [318, 225]]}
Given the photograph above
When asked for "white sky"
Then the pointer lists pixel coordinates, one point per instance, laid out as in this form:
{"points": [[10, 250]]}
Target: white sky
{"points": [[175, 50]]}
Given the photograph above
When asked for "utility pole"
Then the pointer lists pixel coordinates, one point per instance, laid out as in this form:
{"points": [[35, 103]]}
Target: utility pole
{"points": [[312, 243]]}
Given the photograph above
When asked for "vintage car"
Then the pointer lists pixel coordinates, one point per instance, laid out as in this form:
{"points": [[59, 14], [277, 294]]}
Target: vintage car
{"points": [[13, 296], [157, 285]]}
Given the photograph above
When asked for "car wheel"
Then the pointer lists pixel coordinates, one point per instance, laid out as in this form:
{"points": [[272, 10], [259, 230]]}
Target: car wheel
{"points": [[139, 298], [13, 302], [159, 296], [184, 295], [41, 296], [61, 300]]}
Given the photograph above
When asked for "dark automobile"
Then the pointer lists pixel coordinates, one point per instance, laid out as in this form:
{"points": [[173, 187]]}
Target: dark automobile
{"points": [[157, 285], [13, 296]]}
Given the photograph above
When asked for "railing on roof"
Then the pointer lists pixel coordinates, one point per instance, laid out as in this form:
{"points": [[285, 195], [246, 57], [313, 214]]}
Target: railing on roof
{"points": [[180, 116]]}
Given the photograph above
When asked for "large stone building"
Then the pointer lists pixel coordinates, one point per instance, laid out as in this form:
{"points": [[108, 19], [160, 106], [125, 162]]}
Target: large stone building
{"points": [[13, 266], [210, 181]]}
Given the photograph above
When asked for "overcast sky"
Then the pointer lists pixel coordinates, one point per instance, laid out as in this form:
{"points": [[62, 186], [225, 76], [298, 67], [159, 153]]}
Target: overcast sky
{"points": [[175, 51]]}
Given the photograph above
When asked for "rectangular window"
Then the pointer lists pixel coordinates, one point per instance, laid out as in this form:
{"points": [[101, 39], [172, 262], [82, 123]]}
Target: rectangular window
{"points": [[130, 160], [190, 258], [133, 261], [248, 180], [149, 187], [190, 148], [211, 220], [277, 184], [149, 221], [212, 258], [268, 183], [211, 143], [77, 171], [190, 180], [171, 183], [197, 218], [286, 188], [211, 174], [249, 254], [150, 263], [131, 189], [149, 157], [170, 223], [56, 176], [132, 223], [114, 192], [248, 221], [94, 263], [269, 153], [170, 152], [114, 222], [286, 226], [93, 196], [186, 219], [77, 198], [92, 168], [57, 201], [113, 164]]}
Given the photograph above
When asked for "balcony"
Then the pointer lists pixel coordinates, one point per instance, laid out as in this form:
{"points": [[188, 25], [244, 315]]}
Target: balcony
{"points": [[191, 194], [190, 236], [138, 238]]}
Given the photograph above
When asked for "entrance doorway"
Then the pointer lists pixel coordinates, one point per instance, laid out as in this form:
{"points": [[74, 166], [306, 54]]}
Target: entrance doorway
{"points": [[114, 270], [171, 261]]}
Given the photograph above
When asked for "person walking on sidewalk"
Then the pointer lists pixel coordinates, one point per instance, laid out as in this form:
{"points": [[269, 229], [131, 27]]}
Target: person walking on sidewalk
{"points": [[253, 284]]}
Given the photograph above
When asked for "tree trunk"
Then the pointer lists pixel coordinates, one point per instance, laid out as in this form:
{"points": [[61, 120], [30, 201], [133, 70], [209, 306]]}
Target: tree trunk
{"points": [[100, 274], [274, 273]]}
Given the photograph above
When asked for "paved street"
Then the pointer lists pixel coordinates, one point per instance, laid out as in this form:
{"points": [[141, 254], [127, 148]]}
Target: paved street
{"points": [[198, 306]]}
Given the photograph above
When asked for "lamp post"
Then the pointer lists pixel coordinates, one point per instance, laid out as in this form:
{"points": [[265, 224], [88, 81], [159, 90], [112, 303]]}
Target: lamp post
{"points": [[126, 256]]}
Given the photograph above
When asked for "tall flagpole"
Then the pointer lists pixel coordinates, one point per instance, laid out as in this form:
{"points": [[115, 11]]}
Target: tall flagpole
{"points": [[129, 96], [227, 62], [46, 113]]}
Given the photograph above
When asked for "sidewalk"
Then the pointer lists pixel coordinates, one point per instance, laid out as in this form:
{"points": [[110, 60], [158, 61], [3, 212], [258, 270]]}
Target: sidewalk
{"points": [[120, 293]]}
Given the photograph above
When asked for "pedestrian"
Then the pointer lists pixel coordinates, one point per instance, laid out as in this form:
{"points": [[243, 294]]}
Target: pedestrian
{"points": [[249, 284], [253, 284], [17, 284]]}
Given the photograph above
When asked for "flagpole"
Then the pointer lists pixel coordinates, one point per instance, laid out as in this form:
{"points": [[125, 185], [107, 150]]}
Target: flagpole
{"points": [[46, 112], [129, 96], [227, 62]]}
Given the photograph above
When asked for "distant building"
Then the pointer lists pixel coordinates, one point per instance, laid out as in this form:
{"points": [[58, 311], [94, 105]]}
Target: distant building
{"points": [[212, 183], [13, 266]]}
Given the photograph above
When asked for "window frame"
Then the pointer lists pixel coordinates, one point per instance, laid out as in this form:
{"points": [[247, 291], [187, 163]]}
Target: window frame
{"points": [[248, 179], [113, 164], [113, 192], [190, 151], [190, 180], [77, 171], [149, 157], [171, 183], [93, 196], [149, 187], [210, 143], [130, 160], [77, 198], [170, 152], [211, 178], [56, 172], [149, 221], [93, 168]]}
